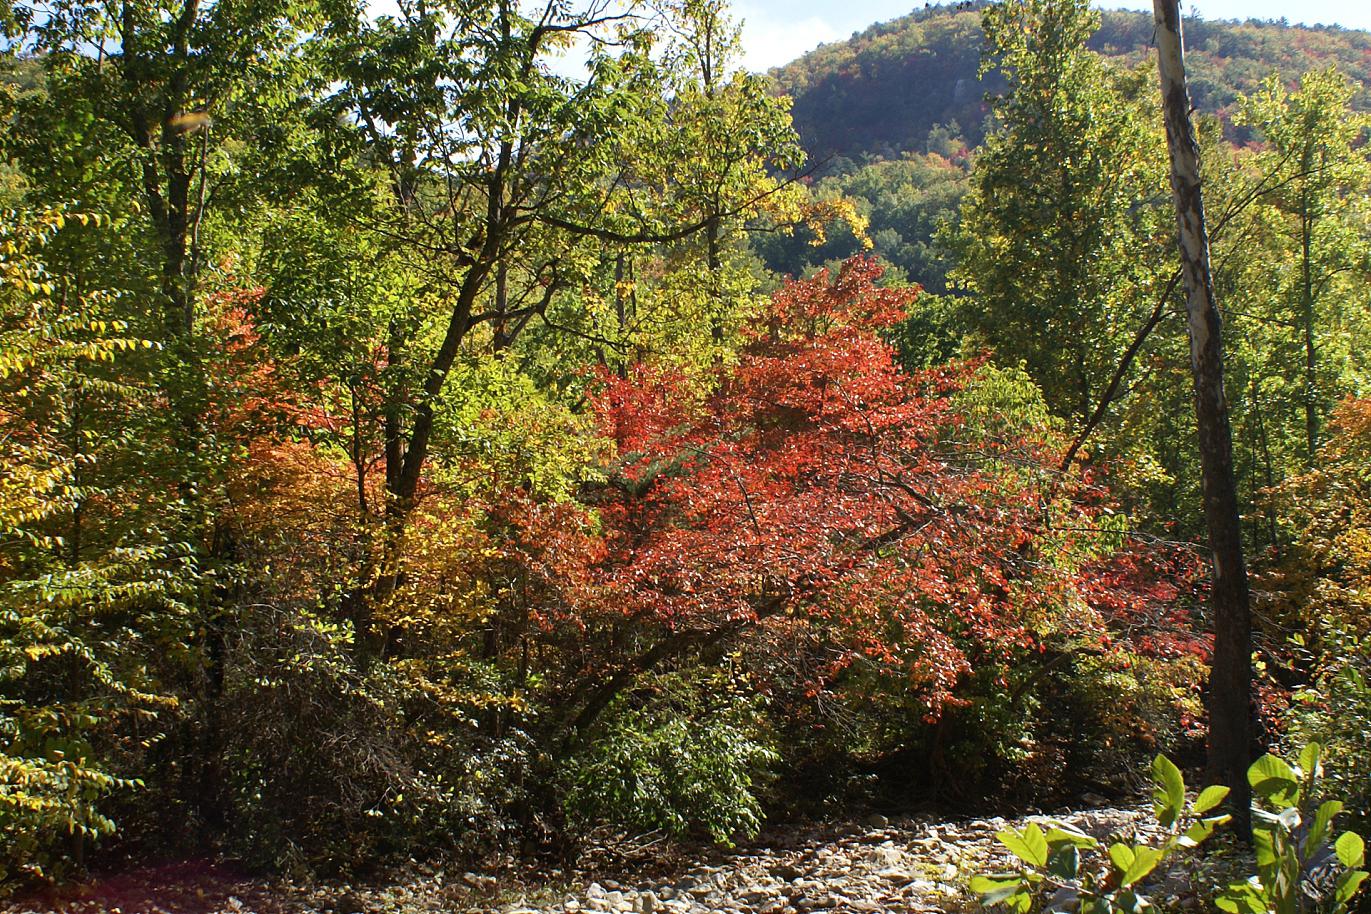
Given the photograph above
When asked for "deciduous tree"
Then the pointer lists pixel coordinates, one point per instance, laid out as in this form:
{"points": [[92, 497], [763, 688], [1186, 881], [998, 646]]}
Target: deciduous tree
{"points": [[1230, 678]]}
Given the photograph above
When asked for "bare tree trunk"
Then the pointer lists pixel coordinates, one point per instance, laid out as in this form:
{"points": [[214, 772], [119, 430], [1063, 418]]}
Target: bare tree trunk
{"points": [[621, 309], [713, 262], [1311, 388], [1230, 677]]}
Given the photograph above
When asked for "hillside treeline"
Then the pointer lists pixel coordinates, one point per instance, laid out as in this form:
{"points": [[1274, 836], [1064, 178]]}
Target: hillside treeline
{"points": [[881, 93]]}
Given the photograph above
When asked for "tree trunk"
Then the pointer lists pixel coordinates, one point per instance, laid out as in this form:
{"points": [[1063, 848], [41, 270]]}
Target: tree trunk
{"points": [[713, 262], [1311, 408], [1230, 678]]}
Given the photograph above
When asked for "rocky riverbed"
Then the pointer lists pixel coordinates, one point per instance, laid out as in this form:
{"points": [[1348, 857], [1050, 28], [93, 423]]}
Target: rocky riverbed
{"points": [[878, 865], [875, 865]]}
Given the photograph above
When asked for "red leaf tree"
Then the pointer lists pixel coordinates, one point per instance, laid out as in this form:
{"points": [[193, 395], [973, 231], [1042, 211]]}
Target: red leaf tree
{"points": [[819, 488]]}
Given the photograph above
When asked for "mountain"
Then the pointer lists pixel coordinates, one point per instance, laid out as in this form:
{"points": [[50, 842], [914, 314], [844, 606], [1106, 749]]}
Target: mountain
{"points": [[879, 93]]}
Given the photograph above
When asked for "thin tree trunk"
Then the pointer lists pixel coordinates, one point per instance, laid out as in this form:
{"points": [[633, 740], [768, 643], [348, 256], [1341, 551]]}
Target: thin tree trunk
{"points": [[1111, 390], [713, 262], [1268, 468], [358, 453], [1230, 678], [1311, 410], [621, 315], [391, 412], [501, 338]]}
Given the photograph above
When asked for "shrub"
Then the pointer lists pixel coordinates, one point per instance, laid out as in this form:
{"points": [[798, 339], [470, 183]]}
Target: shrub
{"points": [[331, 767], [672, 757], [78, 614], [1063, 869], [1319, 587], [1300, 868], [1335, 710]]}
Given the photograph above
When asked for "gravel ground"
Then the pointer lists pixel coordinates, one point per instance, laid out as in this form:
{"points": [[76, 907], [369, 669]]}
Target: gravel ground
{"points": [[875, 865]]}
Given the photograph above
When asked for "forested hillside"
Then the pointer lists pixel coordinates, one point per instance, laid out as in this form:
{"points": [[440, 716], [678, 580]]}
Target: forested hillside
{"points": [[409, 452], [883, 90], [891, 117]]}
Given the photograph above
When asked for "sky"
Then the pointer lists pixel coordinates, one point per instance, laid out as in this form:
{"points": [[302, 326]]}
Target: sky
{"points": [[778, 31]]}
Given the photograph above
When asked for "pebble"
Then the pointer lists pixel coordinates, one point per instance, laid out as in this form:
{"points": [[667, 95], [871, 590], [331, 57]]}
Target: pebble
{"points": [[868, 866], [480, 882], [883, 856]]}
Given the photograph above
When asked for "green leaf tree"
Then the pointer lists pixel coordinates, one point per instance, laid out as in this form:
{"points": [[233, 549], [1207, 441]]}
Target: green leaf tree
{"points": [[1315, 265], [1061, 235], [75, 632]]}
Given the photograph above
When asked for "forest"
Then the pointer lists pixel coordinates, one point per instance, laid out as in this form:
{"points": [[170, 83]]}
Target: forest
{"points": [[852, 99], [465, 432]]}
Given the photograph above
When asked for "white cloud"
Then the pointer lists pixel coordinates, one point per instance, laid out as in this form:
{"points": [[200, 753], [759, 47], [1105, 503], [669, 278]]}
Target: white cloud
{"points": [[769, 42]]}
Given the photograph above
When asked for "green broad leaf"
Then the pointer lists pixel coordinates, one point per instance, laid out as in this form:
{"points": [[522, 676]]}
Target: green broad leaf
{"points": [[1241, 898], [1309, 760], [1274, 781], [1065, 834], [1351, 849], [1121, 855], [1145, 860], [1129, 902], [1168, 796], [1197, 834], [1263, 845], [1065, 863], [1208, 799], [1001, 896], [1007, 890], [1348, 884], [985, 884], [1318, 830], [1029, 845], [1286, 902]]}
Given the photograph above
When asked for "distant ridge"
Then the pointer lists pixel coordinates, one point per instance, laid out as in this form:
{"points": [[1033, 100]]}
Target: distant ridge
{"points": [[879, 93]]}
